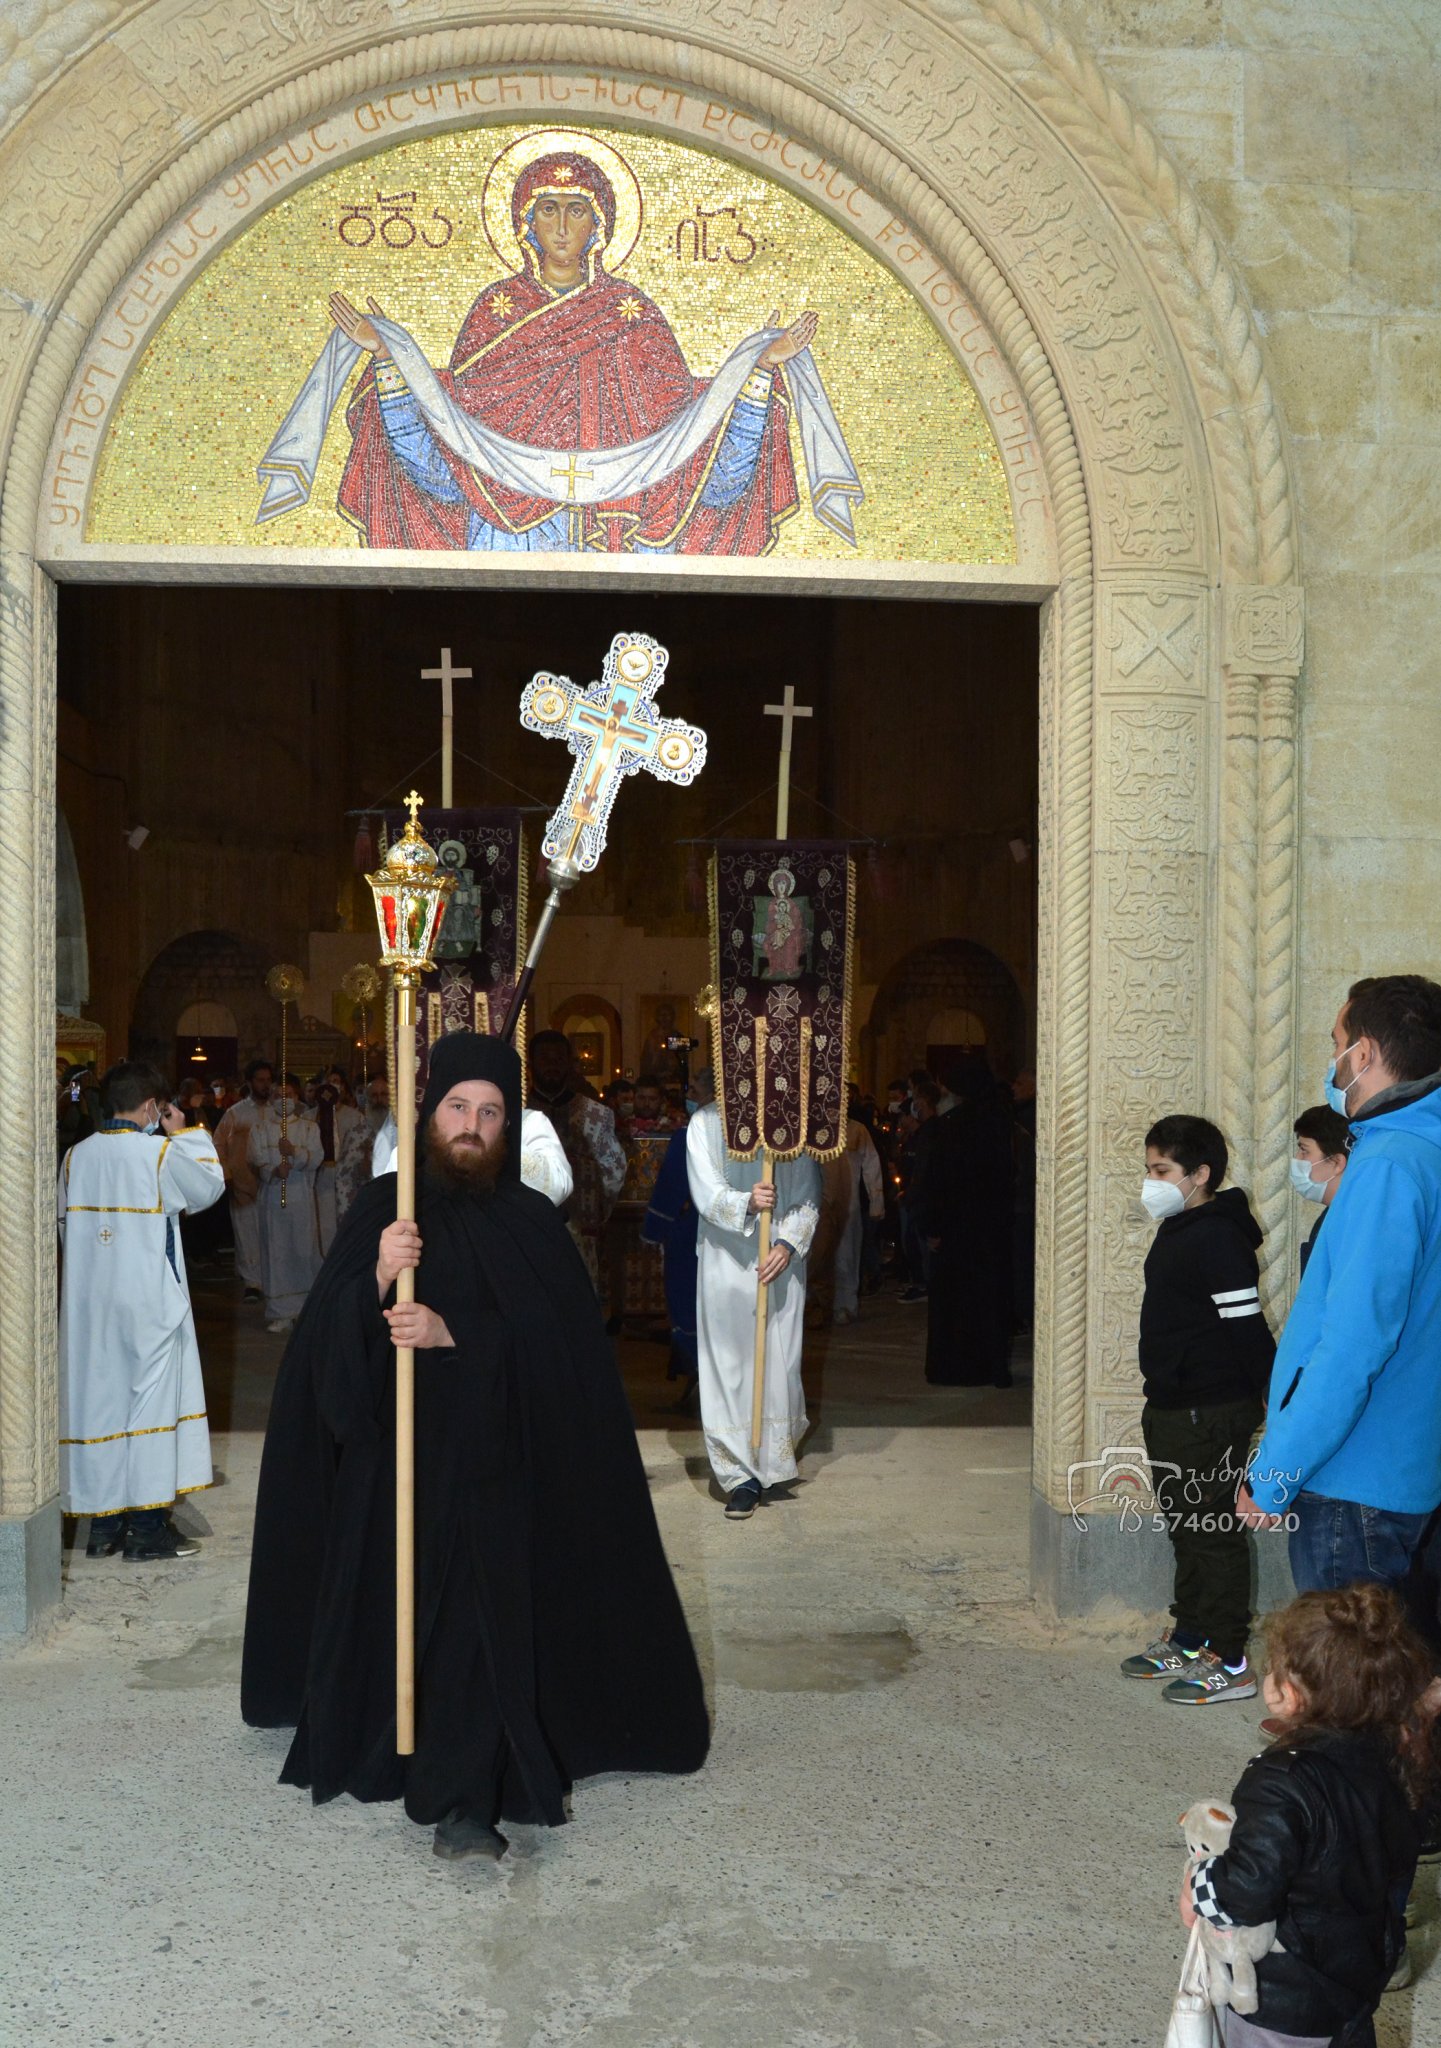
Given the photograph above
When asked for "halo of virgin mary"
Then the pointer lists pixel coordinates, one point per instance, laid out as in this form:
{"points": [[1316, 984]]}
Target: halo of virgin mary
{"points": [[577, 369]]}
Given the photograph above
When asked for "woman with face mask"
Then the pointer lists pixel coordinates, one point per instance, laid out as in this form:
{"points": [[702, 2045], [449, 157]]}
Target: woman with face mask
{"points": [[1323, 1140]]}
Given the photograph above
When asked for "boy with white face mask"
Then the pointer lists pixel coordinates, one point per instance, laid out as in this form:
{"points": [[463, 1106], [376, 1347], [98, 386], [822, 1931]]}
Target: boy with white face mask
{"points": [[1205, 1355], [1323, 1140]]}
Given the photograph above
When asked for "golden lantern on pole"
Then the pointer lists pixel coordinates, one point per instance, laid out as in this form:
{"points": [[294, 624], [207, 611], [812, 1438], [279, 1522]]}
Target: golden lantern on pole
{"points": [[410, 890]]}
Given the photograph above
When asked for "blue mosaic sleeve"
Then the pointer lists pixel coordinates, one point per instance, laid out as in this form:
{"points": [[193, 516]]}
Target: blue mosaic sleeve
{"points": [[735, 462], [415, 448]]}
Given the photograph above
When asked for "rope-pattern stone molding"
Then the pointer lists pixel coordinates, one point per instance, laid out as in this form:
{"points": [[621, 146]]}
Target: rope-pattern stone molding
{"points": [[870, 84]]}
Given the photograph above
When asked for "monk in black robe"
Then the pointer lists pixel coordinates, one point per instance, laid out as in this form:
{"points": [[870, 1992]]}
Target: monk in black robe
{"points": [[961, 1199], [550, 1643]]}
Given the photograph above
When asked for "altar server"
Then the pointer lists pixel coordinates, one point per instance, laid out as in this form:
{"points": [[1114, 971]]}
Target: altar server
{"points": [[729, 1195], [133, 1434]]}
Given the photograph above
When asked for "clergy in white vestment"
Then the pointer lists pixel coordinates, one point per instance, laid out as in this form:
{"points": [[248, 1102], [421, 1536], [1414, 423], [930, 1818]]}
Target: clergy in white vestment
{"points": [[286, 1155], [133, 1434], [543, 1164], [727, 1200], [335, 1120], [232, 1143]]}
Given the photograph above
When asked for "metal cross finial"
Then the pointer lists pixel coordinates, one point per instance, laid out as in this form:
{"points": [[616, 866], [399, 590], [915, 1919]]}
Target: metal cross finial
{"points": [[413, 803], [613, 730]]}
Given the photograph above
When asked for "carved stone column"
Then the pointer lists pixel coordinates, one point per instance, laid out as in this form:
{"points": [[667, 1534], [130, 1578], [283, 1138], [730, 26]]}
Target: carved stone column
{"points": [[29, 1507], [1265, 644]]}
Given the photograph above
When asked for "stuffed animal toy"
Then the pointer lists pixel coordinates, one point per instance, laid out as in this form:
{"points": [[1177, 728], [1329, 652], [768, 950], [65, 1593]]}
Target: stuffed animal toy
{"points": [[1231, 1952]]}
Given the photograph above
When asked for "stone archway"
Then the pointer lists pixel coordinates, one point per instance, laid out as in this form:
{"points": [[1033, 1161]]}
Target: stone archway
{"points": [[1149, 441], [947, 976], [204, 967]]}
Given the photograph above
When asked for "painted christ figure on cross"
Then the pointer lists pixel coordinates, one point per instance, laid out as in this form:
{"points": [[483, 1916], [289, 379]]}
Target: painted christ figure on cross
{"points": [[613, 730]]}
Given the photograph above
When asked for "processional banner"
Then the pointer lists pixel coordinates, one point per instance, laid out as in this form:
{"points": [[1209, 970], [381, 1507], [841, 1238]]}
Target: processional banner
{"points": [[782, 925], [482, 942]]}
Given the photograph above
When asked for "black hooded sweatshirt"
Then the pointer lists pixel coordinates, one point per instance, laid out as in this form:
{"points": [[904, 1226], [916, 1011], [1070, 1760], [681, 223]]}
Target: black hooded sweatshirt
{"points": [[1204, 1339]]}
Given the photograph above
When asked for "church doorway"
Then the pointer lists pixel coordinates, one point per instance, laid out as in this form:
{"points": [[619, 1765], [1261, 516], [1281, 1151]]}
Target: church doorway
{"points": [[922, 756]]}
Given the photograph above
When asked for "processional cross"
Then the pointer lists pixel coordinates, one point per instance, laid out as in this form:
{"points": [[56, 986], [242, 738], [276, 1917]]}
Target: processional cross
{"points": [[445, 675], [787, 712], [612, 730]]}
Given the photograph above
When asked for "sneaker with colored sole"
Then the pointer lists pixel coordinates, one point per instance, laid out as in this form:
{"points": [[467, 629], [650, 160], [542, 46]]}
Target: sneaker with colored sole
{"points": [[1161, 1659], [1208, 1682]]}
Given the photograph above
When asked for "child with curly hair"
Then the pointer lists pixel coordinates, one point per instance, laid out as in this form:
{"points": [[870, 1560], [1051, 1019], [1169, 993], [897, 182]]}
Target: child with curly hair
{"points": [[1326, 1833]]}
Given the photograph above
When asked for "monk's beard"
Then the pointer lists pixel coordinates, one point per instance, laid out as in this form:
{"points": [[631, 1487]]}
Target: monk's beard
{"points": [[464, 1166]]}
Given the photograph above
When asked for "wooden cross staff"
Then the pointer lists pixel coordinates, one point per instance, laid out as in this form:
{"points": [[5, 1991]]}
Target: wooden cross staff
{"points": [[445, 675], [787, 712]]}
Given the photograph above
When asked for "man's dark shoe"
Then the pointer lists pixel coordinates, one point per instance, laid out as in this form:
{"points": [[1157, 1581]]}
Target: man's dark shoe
{"points": [[107, 1543], [252, 1294], [156, 1546], [458, 1836], [742, 1504]]}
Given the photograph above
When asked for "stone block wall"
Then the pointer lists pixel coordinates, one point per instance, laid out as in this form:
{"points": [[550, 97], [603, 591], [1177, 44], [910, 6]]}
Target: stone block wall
{"points": [[1312, 130]]}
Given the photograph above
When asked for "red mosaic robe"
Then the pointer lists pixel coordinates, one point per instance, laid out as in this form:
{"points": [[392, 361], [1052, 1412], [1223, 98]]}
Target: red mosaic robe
{"points": [[598, 368]]}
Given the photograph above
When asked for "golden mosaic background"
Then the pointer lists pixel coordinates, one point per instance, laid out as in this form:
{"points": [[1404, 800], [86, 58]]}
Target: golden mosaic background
{"points": [[178, 465]]}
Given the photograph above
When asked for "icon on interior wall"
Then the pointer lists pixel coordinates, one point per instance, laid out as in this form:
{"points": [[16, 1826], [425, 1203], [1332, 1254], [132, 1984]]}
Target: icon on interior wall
{"points": [[568, 417], [663, 1018]]}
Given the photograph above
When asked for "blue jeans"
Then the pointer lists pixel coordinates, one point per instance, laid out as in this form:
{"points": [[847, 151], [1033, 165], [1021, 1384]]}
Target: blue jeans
{"points": [[1338, 1542]]}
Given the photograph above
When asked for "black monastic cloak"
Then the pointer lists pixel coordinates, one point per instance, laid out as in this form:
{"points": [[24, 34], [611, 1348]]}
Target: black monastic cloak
{"points": [[550, 1642]]}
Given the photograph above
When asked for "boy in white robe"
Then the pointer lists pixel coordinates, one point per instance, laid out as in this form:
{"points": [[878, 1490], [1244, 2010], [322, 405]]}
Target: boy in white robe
{"points": [[728, 1195], [133, 1433], [286, 1155]]}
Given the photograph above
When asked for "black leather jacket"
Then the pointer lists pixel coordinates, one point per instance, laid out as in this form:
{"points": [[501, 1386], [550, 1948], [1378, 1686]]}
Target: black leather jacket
{"points": [[1325, 1845]]}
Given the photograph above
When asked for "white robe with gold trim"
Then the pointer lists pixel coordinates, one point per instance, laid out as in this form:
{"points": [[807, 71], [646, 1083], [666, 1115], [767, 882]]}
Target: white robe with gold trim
{"points": [[728, 1252], [133, 1432]]}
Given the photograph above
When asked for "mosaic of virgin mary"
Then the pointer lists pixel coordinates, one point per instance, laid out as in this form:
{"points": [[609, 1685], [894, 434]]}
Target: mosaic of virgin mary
{"points": [[568, 417]]}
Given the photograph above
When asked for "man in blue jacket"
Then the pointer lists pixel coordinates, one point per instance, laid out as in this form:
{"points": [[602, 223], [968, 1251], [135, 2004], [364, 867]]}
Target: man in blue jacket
{"points": [[1352, 1445]]}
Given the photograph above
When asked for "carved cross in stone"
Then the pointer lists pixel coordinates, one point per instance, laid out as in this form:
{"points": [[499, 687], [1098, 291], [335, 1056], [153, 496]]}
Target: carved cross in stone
{"points": [[613, 730]]}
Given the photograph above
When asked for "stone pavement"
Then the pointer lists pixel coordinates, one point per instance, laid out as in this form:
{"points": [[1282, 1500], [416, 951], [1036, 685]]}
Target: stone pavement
{"points": [[929, 1816]]}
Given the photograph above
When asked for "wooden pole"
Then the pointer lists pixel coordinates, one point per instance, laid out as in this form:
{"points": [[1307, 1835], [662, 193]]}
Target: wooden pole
{"points": [[405, 1380], [763, 1287], [788, 711], [758, 1376]]}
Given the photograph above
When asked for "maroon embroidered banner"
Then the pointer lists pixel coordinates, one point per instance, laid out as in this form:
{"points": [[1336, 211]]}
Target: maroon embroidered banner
{"points": [[782, 918], [482, 937]]}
